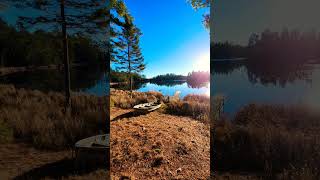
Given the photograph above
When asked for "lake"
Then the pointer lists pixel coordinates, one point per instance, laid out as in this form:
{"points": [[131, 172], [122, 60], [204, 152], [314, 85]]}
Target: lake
{"points": [[242, 83], [90, 80], [169, 88]]}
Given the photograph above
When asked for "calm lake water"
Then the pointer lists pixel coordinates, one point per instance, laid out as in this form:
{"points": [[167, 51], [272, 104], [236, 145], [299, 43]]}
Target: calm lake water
{"points": [[91, 80], [242, 84], [169, 88]]}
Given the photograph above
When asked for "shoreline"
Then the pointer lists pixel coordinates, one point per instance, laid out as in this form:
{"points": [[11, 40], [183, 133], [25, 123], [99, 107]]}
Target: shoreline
{"points": [[10, 70]]}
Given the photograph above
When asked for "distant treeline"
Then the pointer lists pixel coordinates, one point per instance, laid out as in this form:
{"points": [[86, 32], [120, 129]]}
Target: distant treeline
{"points": [[192, 78], [227, 50], [22, 48], [285, 45], [121, 76], [169, 77]]}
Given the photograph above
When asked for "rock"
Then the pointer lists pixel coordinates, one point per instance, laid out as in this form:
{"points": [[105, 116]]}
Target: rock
{"points": [[179, 170]]}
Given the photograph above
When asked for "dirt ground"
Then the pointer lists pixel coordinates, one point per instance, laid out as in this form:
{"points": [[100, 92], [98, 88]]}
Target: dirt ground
{"points": [[158, 146], [20, 161]]}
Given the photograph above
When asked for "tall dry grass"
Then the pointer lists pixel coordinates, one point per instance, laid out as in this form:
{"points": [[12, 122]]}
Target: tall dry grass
{"points": [[277, 141], [192, 108], [192, 105], [125, 99], [39, 118]]}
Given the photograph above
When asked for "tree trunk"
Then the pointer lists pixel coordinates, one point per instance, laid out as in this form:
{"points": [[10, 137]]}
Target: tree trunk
{"points": [[130, 75], [65, 55]]}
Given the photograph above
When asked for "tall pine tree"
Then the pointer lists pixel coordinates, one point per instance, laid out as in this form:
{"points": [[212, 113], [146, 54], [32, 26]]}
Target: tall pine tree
{"points": [[125, 36]]}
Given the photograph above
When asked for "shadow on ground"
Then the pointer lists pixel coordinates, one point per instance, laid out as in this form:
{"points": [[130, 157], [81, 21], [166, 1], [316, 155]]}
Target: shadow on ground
{"points": [[130, 115], [59, 169]]}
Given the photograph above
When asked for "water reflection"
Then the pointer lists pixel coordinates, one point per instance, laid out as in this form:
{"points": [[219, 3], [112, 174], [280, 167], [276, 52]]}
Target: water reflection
{"points": [[266, 73], [85, 79], [252, 82], [168, 87]]}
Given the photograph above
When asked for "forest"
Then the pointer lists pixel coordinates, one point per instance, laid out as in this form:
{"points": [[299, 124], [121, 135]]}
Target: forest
{"points": [[287, 45], [40, 48]]}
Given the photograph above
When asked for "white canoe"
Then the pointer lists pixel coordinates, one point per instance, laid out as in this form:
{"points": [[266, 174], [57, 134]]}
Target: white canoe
{"points": [[94, 142], [147, 106]]}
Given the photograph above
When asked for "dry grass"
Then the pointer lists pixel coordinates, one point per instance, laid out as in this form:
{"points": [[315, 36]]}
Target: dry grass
{"points": [[38, 118], [197, 110], [159, 146], [276, 141], [197, 98], [124, 99], [192, 105]]}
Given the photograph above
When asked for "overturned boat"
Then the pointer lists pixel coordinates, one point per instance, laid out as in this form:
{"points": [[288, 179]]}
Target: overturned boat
{"points": [[94, 142], [148, 107], [92, 151]]}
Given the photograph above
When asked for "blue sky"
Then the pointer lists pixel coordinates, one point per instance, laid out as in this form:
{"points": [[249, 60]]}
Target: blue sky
{"points": [[174, 39]]}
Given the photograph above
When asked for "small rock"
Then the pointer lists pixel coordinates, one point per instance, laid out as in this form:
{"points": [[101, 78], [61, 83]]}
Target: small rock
{"points": [[179, 170], [125, 178]]}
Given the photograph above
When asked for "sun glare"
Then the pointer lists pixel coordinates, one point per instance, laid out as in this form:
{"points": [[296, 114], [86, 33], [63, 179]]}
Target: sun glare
{"points": [[207, 93], [202, 62]]}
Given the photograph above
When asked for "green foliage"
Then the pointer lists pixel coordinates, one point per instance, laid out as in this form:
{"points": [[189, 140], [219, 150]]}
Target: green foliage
{"points": [[125, 49], [89, 17], [169, 77], [20, 48], [119, 76], [198, 4]]}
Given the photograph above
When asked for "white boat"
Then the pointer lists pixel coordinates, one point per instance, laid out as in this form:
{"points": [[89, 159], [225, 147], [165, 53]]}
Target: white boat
{"points": [[91, 151], [147, 106], [94, 142]]}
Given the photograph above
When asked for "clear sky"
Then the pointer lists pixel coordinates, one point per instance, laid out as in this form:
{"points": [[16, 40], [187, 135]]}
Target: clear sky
{"points": [[236, 20], [174, 39]]}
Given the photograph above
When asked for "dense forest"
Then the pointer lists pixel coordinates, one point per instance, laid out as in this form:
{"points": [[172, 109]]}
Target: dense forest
{"points": [[22, 48], [121, 76], [272, 46], [168, 77], [227, 50]]}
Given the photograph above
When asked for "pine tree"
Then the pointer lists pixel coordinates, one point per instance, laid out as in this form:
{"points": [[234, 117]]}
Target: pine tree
{"points": [[127, 52]]}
